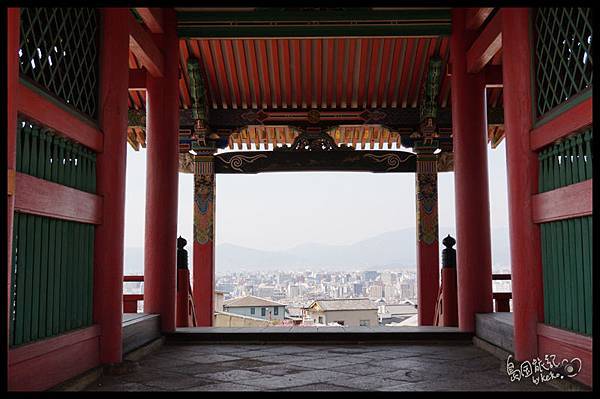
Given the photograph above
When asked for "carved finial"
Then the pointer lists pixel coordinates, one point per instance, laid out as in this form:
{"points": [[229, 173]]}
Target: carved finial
{"points": [[449, 241], [449, 253], [181, 242], [182, 255]]}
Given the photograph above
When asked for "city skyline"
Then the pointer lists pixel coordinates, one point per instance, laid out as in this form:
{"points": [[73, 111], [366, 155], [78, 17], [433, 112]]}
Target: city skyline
{"points": [[284, 210]]}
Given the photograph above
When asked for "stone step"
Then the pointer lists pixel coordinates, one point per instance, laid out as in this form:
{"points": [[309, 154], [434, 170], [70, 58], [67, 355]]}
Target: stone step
{"points": [[319, 335], [496, 328], [139, 329]]}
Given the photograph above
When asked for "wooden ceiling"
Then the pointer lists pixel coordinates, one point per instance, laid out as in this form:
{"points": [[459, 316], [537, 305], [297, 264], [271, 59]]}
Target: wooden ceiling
{"points": [[312, 73], [308, 71]]}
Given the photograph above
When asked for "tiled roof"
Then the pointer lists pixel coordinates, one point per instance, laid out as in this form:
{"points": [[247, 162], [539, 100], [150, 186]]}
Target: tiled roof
{"points": [[345, 304], [250, 301], [401, 309]]}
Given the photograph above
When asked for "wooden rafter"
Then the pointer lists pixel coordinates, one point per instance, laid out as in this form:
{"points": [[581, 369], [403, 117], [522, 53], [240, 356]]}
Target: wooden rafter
{"points": [[152, 17], [143, 46], [475, 17], [486, 45]]}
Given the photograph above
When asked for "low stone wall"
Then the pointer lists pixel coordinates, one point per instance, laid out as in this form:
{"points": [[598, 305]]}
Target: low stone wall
{"points": [[224, 319]]}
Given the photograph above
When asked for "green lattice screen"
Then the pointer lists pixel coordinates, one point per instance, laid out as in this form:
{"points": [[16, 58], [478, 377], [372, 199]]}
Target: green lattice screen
{"points": [[52, 262], [59, 52], [563, 48], [43, 154], [567, 249], [52, 277], [566, 162]]}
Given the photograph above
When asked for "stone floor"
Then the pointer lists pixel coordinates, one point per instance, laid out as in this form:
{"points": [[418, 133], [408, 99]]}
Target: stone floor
{"points": [[402, 367]]}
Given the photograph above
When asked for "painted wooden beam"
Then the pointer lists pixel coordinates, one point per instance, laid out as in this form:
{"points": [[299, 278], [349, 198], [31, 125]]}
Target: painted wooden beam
{"points": [[61, 358], [45, 198], [49, 112], [567, 202], [133, 278], [143, 46], [137, 79], [152, 17], [493, 76], [567, 345], [376, 161], [487, 44], [315, 30], [578, 340], [270, 15], [572, 120], [39, 348], [475, 17]]}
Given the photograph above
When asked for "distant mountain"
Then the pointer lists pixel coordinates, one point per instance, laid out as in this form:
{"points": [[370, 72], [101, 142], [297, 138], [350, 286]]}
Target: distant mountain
{"points": [[393, 249]]}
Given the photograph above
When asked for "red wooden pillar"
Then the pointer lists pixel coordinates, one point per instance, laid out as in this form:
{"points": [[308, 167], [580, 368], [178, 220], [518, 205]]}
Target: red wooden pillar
{"points": [[204, 245], [162, 170], [12, 48], [428, 266], [522, 173], [110, 172], [469, 127]]}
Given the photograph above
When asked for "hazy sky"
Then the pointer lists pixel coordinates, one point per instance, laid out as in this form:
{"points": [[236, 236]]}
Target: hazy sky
{"points": [[282, 210]]}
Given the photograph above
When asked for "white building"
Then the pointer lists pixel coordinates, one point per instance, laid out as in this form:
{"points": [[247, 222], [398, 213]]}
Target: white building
{"points": [[255, 307], [346, 312]]}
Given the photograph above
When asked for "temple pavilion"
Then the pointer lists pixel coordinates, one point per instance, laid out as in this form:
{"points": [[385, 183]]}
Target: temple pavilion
{"points": [[382, 90]]}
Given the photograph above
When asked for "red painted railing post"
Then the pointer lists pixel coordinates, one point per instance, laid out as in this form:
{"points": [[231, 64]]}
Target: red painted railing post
{"points": [[183, 293], [162, 182], [110, 166], [469, 127], [183, 285], [522, 174]]}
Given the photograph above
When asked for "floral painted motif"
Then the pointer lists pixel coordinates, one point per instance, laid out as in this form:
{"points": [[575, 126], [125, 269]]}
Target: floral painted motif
{"points": [[204, 199], [427, 213]]}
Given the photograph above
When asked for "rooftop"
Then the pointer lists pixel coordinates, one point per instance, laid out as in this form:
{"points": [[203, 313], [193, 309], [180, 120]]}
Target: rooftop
{"points": [[345, 304], [250, 300], [401, 309]]}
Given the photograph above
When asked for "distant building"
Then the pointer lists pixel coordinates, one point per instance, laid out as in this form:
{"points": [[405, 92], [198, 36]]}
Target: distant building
{"points": [[218, 301], [226, 287], [294, 291], [266, 291], [346, 312], [370, 275], [407, 290], [389, 292], [375, 291], [396, 313], [294, 314], [255, 307], [358, 289]]}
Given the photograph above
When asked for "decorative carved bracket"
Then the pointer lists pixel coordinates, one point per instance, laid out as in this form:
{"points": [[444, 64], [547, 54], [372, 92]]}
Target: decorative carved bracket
{"points": [[314, 139], [303, 161]]}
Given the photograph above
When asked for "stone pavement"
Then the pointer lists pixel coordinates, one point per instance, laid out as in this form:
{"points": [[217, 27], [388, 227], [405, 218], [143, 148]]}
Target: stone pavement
{"points": [[344, 367]]}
